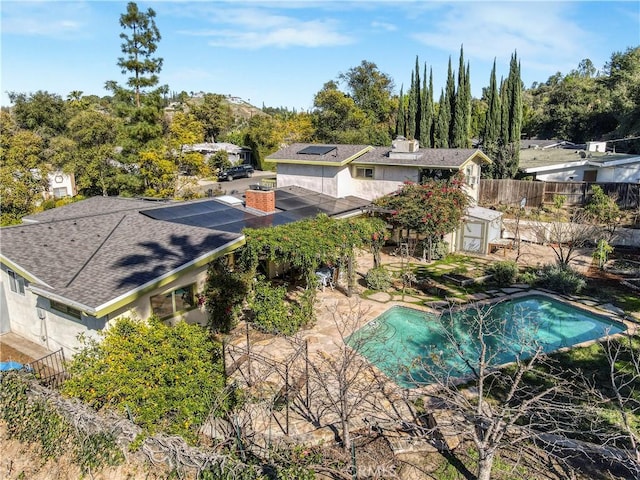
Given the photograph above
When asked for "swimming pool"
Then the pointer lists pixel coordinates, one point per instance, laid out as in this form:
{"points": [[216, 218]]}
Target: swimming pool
{"points": [[410, 346]]}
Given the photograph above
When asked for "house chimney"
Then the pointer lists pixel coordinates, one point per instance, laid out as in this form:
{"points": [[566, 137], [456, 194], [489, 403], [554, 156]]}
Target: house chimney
{"points": [[263, 200]]}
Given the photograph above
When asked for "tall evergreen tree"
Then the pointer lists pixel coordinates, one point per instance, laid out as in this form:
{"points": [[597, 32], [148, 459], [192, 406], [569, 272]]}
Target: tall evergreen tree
{"points": [[401, 125], [431, 114], [491, 131], [417, 98], [425, 116], [462, 108], [139, 48], [450, 99], [441, 128], [412, 109], [515, 104]]}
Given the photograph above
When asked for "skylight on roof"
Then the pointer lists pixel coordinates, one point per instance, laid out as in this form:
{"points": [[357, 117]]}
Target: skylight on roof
{"points": [[317, 149]]}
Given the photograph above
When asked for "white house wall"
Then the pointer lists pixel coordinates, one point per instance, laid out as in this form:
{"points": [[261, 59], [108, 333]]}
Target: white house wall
{"points": [[620, 174], [565, 175], [387, 179], [32, 317], [317, 178]]}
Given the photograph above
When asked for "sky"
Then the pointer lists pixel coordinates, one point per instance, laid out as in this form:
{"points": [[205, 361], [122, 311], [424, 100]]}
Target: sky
{"points": [[281, 53]]}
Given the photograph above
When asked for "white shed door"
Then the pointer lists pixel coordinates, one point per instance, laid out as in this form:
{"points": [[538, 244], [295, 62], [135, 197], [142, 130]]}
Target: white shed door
{"points": [[472, 237]]}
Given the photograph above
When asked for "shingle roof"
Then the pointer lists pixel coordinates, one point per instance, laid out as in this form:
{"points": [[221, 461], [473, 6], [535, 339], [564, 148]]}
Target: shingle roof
{"points": [[367, 155], [339, 154], [424, 157], [92, 260], [97, 250]]}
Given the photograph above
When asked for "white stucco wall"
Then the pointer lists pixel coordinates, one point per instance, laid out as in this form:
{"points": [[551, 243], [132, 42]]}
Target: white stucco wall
{"points": [[317, 178], [386, 179], [564, 175], [620, 174], [32, 317]]}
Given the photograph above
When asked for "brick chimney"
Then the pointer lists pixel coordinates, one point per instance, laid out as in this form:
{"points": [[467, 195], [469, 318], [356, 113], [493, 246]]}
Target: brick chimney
{"points": [[263, 200]]}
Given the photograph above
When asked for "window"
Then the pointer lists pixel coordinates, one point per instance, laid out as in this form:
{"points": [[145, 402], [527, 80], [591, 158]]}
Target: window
{"points": [[61, 307], [60, 192], [469, 173], [364, 172], [16, 282], [170, 303]]}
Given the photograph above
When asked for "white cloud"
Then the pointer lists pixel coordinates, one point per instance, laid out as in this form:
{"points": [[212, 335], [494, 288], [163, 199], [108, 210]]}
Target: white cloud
{"points": [[258, 28], [45, 19], [389, 27], [544, 35]]}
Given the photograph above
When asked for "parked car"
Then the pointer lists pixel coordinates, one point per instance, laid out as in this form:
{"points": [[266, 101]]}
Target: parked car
{"points": [[238, 171]]}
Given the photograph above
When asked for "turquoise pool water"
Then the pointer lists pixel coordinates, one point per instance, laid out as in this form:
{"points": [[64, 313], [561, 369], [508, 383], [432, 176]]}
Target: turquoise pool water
{"points": [[410, 346]]}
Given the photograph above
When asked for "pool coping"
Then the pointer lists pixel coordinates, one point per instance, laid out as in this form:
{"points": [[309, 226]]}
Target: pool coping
{"points": [[631, 327]]}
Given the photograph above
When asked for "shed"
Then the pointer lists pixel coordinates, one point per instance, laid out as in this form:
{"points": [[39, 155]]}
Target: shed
{"points": [[480, 227]]}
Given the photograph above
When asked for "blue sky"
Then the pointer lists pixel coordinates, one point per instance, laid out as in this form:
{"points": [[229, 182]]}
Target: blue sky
{"points": [[280, 53]]}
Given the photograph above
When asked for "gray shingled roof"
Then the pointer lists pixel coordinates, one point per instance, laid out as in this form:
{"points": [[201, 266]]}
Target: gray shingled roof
{"points": [[424, 157], [94, 206], [96, 250], [91, 260], [340, 154]]}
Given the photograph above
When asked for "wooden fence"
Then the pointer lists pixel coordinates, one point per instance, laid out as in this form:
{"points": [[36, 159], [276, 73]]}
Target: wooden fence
{"points": [[511, 192]]}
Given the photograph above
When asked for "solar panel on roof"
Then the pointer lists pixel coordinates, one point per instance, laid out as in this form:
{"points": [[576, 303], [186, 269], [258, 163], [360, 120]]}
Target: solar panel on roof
{"points": [[317, 149]]}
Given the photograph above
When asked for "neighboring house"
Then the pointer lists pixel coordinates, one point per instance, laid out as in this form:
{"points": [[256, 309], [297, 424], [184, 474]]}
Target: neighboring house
{"points": [[73, 269], [61, 185], [236, 154], [537, 144], [580, 166], [372, 172]]}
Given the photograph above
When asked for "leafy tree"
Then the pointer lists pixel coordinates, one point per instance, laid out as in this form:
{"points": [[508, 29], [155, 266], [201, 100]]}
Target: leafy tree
{"points": [[167, 378], [371, 91], [215, 115], [94, 134], [335, 114], [158, 171], [138, 48], [622, 79], [603, 210], [431, 210], [184, 130], [225, 293], [41, 112], [219, 161], [23, 174]]}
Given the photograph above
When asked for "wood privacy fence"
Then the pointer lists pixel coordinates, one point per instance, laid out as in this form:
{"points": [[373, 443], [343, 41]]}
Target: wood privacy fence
{"points": [[511, 192]]}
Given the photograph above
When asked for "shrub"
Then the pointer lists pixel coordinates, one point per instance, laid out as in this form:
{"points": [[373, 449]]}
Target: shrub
{"points": [[561, 280], [154, 372], [378, 279], [504, 273]]}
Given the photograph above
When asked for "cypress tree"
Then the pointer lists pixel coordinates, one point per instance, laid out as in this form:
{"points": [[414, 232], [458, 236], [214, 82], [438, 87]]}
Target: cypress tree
{"points": [[492, 121], [450, 99], [425, 119], [417, 94], [431, 115], [462, 108], [441, 128], [400, 121], [515, 113], [412, 109]]}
